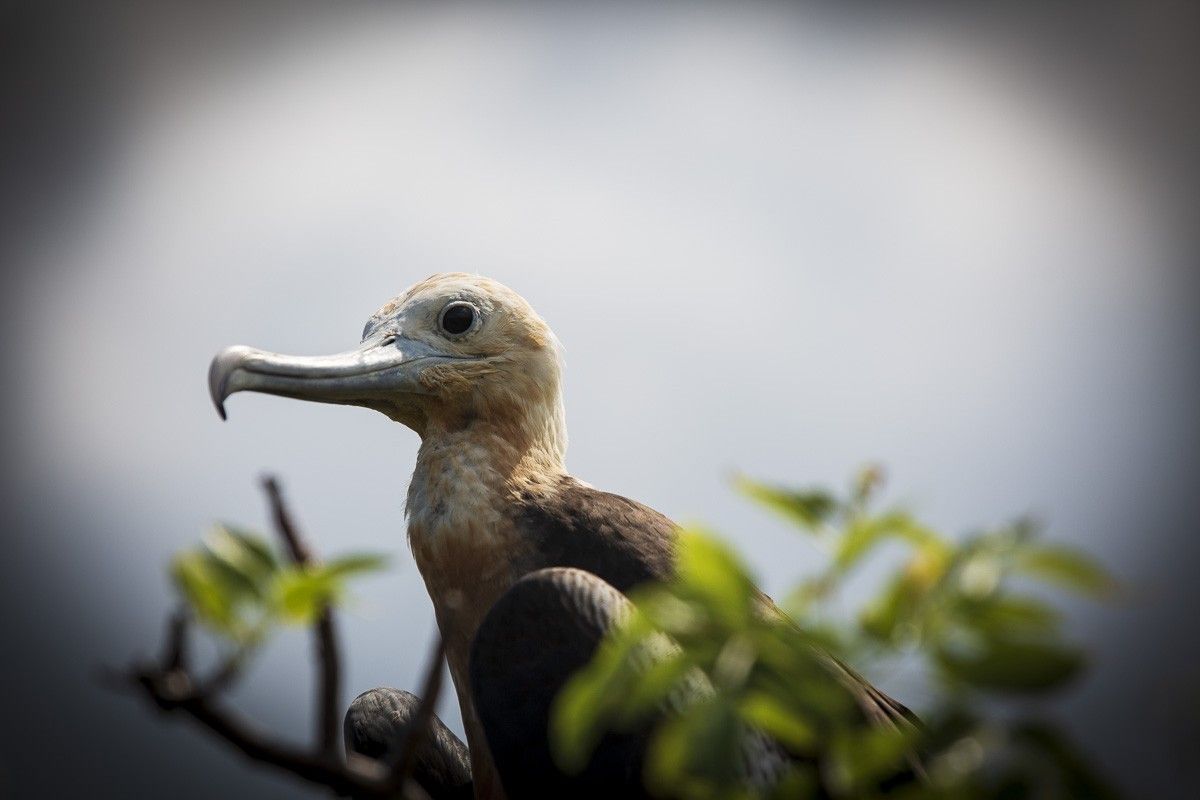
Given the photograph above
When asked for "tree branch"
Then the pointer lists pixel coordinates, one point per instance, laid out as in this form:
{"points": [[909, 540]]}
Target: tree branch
{"points": [[173, 692], [172, 687], [175, 650], [325, 633], [431, 688], [296, 546]]}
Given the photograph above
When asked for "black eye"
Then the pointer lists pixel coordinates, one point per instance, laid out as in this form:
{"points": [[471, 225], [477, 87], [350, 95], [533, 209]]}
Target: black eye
{"points": [[457, 318]]}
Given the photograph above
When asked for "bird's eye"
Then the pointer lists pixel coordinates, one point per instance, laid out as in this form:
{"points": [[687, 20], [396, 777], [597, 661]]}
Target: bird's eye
{"points": [[457, 318]]}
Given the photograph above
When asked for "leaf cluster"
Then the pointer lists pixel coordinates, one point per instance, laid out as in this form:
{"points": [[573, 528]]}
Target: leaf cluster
{"points": [[241, 587], [726, 679]]}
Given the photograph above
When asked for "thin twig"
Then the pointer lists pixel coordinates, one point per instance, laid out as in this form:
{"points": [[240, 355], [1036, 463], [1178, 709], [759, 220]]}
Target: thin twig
{"points": [[175, 650], [224, 675], [325, 632], [422, 721], [296, 546], [327, 654], [342, 778]]}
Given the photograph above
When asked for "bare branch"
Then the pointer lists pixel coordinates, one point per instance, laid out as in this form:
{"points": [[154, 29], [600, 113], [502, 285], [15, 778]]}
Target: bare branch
{"points": [[173, 692], [330, 678], [422, 723], [172, 687], [175, 651], [224, 676], [325, 632], [296, 546]]}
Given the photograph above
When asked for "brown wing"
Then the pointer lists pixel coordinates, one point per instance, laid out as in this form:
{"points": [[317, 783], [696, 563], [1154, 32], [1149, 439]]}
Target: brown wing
{"points": [[626, 543], [622, 542]]}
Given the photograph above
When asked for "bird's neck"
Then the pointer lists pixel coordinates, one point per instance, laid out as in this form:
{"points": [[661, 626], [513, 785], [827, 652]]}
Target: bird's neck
{"points": [[468, 471]]}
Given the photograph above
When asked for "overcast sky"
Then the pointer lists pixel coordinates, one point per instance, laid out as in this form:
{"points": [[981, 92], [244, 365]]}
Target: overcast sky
{"points": [[769, 242]]}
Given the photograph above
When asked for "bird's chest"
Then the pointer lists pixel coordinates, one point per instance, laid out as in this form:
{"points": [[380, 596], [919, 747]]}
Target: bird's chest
{"points": [[464, 581], [464, 542], [469, 552], [461, 536]]}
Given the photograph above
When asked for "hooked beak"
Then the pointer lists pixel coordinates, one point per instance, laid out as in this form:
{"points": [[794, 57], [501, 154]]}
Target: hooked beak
{"points": [[382, 368]]}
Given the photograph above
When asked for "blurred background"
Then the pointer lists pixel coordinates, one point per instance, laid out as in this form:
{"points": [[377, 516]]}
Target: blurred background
{"points": [[778, 240]]}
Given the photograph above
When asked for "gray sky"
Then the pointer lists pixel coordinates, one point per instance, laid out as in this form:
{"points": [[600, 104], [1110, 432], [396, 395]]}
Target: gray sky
{"points": [[776, 243]]}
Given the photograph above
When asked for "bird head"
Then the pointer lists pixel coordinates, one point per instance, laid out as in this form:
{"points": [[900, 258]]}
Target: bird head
{"points": [[452, 351]]}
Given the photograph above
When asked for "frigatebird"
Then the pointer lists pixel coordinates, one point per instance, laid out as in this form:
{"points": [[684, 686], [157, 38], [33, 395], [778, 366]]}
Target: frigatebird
{"points": [[526, 565]]}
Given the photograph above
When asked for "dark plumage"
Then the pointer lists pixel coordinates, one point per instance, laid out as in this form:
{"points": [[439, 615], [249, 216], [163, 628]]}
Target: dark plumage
{"points": [[379, 722], [573, 525], [543, 629]]}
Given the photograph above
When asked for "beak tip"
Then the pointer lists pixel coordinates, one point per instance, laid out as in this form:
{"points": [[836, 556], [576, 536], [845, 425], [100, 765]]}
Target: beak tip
{"points": [[225, 363]]}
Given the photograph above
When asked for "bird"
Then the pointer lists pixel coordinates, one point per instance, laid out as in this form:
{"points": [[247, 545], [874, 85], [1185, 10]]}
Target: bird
{"points": [[526, 565]]}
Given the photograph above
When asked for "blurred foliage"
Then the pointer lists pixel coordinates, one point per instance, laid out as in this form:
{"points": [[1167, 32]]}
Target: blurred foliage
{"points": [[743, 682], [241, 587]]}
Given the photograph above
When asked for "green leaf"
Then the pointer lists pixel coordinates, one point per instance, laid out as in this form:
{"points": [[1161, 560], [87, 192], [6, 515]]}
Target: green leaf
{"points": [[897, 614], [666, 611], [979, 576], [862, 759], [700, 748], [241, 562], [810, 508], [670, 756], [1068, 568], [801, 600], [302, 595], [798, 781], [708, 571], [254, 545], [772, 716], [652, 688], [734, 661], [204, 591], [858, 540], [1009, 616], [865, 533], [354, 564], [593, 700], [1013, 666]]}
